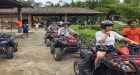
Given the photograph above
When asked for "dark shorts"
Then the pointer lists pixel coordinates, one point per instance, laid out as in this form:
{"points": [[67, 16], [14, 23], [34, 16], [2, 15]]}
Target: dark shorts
{"points": [[25, 31]]}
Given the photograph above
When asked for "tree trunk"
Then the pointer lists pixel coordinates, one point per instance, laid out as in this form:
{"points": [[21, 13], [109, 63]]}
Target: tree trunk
{"points": [[138, 3], [107, 17], [139, 21]]}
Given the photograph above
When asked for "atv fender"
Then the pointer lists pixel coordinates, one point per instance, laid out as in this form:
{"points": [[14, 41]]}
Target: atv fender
{"points": [[106, 61], [87, 56]]}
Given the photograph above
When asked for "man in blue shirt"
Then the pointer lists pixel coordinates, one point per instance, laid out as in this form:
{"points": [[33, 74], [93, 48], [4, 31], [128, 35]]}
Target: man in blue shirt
{"points": [[25, 29]]}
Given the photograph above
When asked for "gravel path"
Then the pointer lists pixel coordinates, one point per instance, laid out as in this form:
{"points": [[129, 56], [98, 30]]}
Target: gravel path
{"points": [[34, 58], [120, 22]]}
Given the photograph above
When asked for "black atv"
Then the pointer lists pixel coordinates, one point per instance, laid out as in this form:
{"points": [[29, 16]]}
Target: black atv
{"points": [[7, 45], [65, 44], [115, 62], [49, 36], [9, 36]]}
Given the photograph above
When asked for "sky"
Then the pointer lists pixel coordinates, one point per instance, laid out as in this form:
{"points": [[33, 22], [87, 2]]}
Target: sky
{"points": [[56, 1]]}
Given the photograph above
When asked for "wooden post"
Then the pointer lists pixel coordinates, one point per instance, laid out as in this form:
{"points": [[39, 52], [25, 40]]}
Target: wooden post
{"points": [[29, 19], [65, 17], [60, 18], [87, 18], [32, 21], [19, 13], [98, 19]]}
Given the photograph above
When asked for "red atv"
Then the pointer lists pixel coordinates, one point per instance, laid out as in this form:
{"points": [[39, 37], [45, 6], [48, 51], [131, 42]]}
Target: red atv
{"points": [[62, 45], [116, 61]]}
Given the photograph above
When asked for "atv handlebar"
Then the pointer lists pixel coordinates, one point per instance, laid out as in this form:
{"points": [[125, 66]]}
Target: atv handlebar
{"points": [[133, 46]]}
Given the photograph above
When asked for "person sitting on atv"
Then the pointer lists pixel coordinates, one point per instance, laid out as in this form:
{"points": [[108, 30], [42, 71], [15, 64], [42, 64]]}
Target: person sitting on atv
{"points": [[132, 33], [107, 37], [65, 30], [53, 27]]}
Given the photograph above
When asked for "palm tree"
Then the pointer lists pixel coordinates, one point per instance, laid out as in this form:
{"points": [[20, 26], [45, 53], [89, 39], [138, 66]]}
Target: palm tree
{"points": [[37, 4]]}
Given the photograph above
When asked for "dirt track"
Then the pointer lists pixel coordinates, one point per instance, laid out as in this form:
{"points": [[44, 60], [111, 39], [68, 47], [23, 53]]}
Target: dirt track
{"points": [[34, 58]]}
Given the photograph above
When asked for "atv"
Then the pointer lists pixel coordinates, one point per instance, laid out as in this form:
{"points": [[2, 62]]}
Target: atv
{"points": [[116, 61], [49, 36], [62, 45], [11, 36], [7, 45]]}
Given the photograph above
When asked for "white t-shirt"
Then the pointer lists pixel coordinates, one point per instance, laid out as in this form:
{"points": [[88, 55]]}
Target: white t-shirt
{"points": [[61, 22], [110, 40], [37, 24]]}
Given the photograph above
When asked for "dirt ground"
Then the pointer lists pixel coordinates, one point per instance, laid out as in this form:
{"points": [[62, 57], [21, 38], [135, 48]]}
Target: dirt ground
{"points": [[34, 58]]}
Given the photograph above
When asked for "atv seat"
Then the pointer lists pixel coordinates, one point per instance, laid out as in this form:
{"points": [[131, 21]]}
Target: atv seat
{"points": [[94, 50]]}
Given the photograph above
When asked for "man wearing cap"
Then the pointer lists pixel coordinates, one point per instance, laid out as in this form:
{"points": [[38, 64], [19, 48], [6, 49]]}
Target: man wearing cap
{"points": [[53, 27], [66, 30]]}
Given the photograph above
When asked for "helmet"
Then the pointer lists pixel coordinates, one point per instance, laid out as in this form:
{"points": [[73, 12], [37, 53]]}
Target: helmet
{"points": [[106, 23], [65, 23]]}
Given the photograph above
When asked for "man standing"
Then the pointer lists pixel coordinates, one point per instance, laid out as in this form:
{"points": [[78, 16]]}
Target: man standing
{"points": [[25, 29], [132, 32], [19, 24]]}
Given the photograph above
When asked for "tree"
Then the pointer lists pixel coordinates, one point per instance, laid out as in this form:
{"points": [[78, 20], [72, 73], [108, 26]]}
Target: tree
{"points": [[104, 6], [129, 11]]}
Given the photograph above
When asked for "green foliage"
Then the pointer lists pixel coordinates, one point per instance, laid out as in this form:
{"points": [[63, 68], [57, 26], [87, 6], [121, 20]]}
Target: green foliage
{"points": [[128, 10], [103, 9], [32, 3]]}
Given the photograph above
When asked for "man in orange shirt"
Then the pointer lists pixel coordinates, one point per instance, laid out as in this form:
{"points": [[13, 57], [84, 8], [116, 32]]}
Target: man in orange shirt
{"points": [[19, 24], [132, 32]]}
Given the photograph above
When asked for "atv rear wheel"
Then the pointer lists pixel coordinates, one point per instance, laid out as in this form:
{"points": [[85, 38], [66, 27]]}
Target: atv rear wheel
{"points": [[57, 54], [51, 48], [16, 47], [48, 42], [78, 67], [113, 72], [10, 53]]}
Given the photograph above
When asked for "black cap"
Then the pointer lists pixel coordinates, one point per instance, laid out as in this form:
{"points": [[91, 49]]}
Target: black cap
{"points": [[106, 23]]}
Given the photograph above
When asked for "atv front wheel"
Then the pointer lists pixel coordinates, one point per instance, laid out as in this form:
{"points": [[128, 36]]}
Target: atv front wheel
{"points": [[81, 56], [52, 48], [57, 54], [10, 53], [44, 40], [46, 35], [48, 42], [16, 47], [78, 67], [113, 72]]}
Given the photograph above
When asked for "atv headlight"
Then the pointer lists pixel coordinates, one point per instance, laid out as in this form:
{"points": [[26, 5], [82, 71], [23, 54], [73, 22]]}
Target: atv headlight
{"points": [[125, 67]]}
